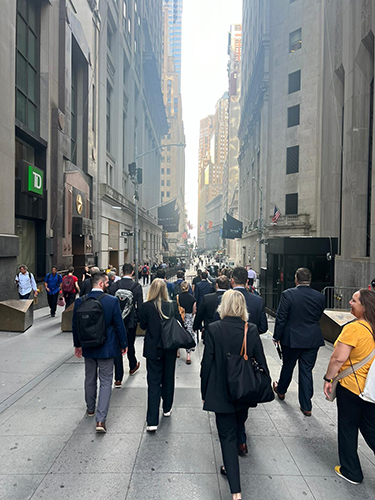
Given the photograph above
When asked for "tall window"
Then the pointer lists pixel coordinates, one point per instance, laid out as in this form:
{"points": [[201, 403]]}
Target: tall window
{"points": [[292, 160], [291, 204], [293, 116], [27, 55], [295, 40], [108, 117], [294, 82], [109, 175], [73, 111]]}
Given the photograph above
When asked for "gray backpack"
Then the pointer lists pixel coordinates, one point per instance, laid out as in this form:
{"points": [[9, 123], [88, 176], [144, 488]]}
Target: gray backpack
{"points": [[126, 299]]}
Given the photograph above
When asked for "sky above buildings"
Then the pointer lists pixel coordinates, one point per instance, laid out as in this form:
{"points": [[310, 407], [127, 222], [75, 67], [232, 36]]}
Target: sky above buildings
{"points": [[205, 27]]}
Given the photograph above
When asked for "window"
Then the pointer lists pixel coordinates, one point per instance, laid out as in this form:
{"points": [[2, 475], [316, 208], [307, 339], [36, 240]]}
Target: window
{"points": [[109, 38], [291, 204], [292, 160], [168, 194], [163, 159], [108, 117], [162, 171], [124, 187], [73, 111], [162, 182], [168, 171], [293, 116], [93, 109], [168, 136], [162, 194], [109, 174], [168, 159], [295, 40], [27, 56], [294, 82], [168, 182]]}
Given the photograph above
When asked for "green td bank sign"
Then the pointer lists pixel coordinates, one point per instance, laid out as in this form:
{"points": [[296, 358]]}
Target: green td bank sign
{"points": [[35, 180]]}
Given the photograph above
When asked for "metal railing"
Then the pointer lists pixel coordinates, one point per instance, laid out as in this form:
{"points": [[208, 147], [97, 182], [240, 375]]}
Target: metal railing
{"points": [[337, 297]]}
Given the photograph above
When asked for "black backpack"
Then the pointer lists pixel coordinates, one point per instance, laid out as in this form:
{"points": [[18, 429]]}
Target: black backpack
{"points": [[91, 328], [176, 290]]}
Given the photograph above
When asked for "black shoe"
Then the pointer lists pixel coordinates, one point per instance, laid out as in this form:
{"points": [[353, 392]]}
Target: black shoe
{"points": [[223, 472], [53, 315]]}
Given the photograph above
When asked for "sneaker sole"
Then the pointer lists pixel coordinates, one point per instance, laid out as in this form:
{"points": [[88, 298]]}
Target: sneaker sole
{"points": [[117, 386], [101, 430], [346, 479]]}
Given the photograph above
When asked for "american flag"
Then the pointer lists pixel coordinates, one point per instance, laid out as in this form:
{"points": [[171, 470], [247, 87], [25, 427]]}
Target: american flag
{"points": [[276, 215]]}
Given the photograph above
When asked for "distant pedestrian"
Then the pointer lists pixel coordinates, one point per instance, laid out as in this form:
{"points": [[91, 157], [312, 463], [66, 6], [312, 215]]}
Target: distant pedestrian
{"points": [[69, 287], [197, 279], [207, 311], [298, 332], [97, 321], [187, 308], [145, 273], [202, 288], [52, 284], [25, 282], [170, 286], [251, 276], [86, 285]]}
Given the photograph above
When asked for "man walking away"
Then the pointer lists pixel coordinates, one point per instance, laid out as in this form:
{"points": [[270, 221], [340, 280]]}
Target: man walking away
{"points": [[197, 279], [145, 273], [207, 312], [130, 297], [298, 332], [170, 286], [87, 284], [99, 335], [202, 288], [177, 284], [25, 282], [251, 276], [70, 287], [52, 284]]}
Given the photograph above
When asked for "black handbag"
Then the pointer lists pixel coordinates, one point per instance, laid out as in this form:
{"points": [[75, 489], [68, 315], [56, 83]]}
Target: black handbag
{"points": [[247, 380], [174, 336]]}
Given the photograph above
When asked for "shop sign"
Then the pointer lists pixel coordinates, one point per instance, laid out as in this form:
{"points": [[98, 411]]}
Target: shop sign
{"points": [[35, 180]]}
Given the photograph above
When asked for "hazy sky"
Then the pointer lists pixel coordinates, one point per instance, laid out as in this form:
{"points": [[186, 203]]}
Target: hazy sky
{"points": [[205, 26]]}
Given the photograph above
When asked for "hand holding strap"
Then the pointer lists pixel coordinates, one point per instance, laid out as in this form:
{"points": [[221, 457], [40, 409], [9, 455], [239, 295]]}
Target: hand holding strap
{"points": [[244, 343]]}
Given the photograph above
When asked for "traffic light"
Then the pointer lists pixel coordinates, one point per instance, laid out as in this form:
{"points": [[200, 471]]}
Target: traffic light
{"points": [[132, 169], [139, 175]]}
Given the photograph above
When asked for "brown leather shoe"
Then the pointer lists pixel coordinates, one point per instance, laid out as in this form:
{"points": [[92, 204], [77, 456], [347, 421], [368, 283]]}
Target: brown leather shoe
{"points": [[100, 427], [305, 412], [280, 396], [90, 413], [133, 371], [242, 449], [118, 384]]}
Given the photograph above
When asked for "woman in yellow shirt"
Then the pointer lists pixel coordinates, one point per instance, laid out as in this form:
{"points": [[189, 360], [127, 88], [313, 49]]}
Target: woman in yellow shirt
{"points": [[356, 342]]}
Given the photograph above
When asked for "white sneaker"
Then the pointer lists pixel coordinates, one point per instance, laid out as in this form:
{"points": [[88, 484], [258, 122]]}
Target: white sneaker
{"points": [[151, 428], [168, 413]]}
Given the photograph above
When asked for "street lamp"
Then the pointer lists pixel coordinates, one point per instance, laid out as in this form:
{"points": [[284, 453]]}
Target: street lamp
{"points": [[260, 224], [136, 177]]}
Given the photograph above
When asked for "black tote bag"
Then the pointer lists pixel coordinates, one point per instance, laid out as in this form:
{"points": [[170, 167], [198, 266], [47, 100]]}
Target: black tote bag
{"points": [[247, 380], [174, 336]]}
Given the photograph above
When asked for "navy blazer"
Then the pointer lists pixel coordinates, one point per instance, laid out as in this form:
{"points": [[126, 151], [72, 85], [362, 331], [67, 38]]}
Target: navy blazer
{"points": [[207, 309], [297, 318], [255, 308], [201, 289], [116, 333]]}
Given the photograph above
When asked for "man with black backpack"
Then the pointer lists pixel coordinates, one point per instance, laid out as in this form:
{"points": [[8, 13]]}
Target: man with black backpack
{"points": [[145, 273], [99, 336], [130, 297], [177, 284]]}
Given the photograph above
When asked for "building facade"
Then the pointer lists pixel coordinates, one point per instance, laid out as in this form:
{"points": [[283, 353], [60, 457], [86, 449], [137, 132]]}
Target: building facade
{"points": [[174, 15]]}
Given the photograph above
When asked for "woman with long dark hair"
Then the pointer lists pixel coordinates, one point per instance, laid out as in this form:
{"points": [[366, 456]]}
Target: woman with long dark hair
{"points": [[187, 307], [160, 363], [354, 344]]}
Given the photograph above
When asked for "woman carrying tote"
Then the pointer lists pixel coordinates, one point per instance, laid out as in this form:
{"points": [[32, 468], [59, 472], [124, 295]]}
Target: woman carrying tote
{"points": [[222, 337], [160, 363], [186, 302], [353, 345]]}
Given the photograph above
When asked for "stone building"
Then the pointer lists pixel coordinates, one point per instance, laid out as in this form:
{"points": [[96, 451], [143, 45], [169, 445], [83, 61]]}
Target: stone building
{"points": [[205, 133], [279, 132], [132, 122], [214, 214]]}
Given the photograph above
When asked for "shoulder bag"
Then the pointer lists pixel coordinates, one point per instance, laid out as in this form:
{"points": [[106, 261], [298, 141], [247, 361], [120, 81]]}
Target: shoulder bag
{"points": [[173, 334], [247, 380]]}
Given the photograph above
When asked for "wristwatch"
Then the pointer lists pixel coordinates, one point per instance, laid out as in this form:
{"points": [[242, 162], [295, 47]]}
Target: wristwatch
{"points": [[330, 380]]}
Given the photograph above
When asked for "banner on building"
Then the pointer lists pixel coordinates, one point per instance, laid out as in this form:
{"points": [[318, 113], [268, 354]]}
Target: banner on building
{"points": [[168, 217], [232, 228]]}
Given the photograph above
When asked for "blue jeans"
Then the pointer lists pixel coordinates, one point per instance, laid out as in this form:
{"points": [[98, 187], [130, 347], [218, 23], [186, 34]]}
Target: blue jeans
{"points": [[24, 297]]}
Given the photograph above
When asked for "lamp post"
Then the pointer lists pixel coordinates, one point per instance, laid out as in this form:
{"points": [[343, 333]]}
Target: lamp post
{"points": [[260, 223], [136, 177]]}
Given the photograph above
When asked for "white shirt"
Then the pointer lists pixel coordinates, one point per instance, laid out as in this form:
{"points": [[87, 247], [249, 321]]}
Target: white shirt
{"points": [[26, 283], [251, 274]]}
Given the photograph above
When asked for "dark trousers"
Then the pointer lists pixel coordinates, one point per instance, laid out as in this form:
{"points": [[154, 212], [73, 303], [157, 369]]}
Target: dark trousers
{"points": [[24, 297], [52, 301], [145, 278], [353, 414], [160, 382], [230, 426], [306, 361], [69, 299], [119, 367]]}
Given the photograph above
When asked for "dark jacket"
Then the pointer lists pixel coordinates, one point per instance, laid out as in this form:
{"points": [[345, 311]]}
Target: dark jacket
{"points": [[86, 287], [151, 322], [222, 337], [202, 288], [297, 318], [116, 333], [132, 318], [207, 309], [255, 308]]}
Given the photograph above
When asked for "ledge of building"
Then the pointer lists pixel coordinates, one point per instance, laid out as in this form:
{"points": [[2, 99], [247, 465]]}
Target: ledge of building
{"points": [[9, 245]]}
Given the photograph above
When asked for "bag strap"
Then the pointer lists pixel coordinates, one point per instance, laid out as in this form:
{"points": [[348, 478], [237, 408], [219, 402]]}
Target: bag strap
{"points": [[244, 343], [353, 368]]}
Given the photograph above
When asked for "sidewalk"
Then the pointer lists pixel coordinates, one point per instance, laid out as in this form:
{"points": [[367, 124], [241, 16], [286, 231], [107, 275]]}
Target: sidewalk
{"points": [[49, 449]]}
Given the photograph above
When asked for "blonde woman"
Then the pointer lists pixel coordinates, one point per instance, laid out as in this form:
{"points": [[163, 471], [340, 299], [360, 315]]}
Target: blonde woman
{"points": [[187, 302], [222, 337], [160, 364]]}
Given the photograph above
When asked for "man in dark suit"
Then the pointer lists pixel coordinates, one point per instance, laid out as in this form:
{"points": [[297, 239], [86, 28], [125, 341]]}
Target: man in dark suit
{"points": [[298, 332], [130, 321], [208, 307], [101, 357], [87, 283], [202, 288], [254, 303]]}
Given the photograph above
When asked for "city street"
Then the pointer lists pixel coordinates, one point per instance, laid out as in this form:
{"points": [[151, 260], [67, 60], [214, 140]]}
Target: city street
{"points": [[49, 448]]}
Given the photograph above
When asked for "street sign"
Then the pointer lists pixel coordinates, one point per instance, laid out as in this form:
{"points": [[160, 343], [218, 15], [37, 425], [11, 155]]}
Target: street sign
{"points": [[127, 233]]}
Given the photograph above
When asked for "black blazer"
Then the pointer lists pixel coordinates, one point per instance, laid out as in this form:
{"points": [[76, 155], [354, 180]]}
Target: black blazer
{"points": [[207, 309], [132, 318], [297, 318], [151, 322], [222, 337], [255, 308], [86, 287], [201, 289]]}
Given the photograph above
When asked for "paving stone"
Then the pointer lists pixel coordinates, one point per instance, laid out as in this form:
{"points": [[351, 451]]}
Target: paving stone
{"points": [[58, 398], [83, 486], [186, 453], [334, 488], [129, 396], [100, 453], [183, 421], [156, 486], [120, 420], [19, 486]]}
